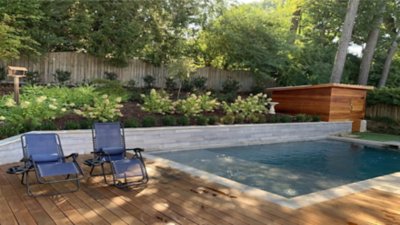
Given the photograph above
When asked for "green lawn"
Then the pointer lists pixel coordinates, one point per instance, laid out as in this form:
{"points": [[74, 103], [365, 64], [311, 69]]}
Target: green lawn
{"points": [[377, 136]]}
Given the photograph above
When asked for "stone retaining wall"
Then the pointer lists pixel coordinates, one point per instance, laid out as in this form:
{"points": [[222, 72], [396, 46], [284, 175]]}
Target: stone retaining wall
{"points": [[189, 137]]}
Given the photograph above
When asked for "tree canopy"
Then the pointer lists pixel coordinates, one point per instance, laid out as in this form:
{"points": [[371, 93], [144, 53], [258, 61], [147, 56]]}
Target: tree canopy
{"points": [[292, 42]]}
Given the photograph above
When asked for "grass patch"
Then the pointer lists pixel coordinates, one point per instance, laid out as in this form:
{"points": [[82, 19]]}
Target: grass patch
{"points": [[377, 136]]}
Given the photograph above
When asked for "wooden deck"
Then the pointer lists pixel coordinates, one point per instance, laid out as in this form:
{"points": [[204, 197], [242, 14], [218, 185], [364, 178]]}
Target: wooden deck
{"points": [[172, 197]]}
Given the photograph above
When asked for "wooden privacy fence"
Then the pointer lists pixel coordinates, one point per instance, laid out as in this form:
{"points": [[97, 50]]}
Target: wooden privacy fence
{"points": [[84, 67], [382, 110]]}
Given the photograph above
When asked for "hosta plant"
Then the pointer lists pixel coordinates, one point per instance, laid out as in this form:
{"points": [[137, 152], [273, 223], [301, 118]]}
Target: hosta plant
{"points": [[157, 102], [104, 109]]}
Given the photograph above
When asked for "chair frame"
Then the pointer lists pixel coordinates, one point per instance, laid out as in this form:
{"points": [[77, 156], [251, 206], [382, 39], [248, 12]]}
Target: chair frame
{"points": [[99, 155], [31, 165]]}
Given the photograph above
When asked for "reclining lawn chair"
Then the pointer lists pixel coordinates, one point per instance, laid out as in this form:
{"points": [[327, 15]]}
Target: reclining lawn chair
{"points": [[109, 147], [43, 154]]}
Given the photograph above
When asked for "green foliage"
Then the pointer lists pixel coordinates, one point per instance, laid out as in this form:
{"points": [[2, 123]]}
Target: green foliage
{"points": [[285, 119], [170, 84], [187, 85], [157, 102], [230, 89], [303, 118], [149, 81], [212, 120], [62, 76], [104, 109], [196, 104], [3, 73], [71, 125], [131, 123], [131, 84], [248, 107], [201, 120], [199, 83], [183, 121], [228, 119], [32, 77], [112, 88], [110, 76], [148, 121], [48, 125], [168, 121], [85, 124], [388, 96]]}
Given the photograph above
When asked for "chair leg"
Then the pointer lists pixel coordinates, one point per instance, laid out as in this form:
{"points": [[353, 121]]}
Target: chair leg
{"points": [[91, 170], [104, 173]]}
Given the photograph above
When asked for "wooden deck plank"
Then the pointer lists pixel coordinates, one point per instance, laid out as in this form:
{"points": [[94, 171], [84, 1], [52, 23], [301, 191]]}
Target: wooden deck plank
{"points": [[173, 197]]}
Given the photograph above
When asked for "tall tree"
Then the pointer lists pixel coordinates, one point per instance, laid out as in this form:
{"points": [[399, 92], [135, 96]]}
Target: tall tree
{"points": [[369, 50], [388, 61], [344, 41]]}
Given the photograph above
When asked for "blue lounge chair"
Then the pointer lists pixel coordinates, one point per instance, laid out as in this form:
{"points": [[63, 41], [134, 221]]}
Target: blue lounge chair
{"points": [[109, 147], [43, 154]]}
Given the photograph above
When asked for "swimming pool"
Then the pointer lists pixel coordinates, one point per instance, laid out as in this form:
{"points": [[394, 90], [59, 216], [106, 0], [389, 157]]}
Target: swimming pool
{"points": [[292, 169]]}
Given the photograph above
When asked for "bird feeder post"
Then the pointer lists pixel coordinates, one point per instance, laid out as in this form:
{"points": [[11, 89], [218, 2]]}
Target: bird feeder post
{"points": [[16, 73]]}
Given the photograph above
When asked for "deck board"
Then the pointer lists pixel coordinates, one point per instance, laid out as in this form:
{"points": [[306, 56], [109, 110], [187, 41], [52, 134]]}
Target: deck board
{"points": [[173, 197]]}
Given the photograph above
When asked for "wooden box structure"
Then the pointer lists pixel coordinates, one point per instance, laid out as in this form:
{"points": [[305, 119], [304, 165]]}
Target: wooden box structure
{"points": [[332, 102], [16, 73]]}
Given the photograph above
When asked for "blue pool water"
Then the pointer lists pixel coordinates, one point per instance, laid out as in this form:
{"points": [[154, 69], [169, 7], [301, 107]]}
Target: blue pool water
{"points": [[293, 169]]}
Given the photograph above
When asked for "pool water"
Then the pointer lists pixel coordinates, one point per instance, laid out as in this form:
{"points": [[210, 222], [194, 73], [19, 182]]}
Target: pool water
{"points": [[292, 169]]}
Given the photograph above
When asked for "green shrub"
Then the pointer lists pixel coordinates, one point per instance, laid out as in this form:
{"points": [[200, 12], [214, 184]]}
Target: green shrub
{"points": [[32, 77], [112, 88], [72, 125], [228, 119], [104, 109], [62, 76], [303, 118], [110, 76], [230, 86], [315, 118], [170, 84], [85, 124], [285, 119], [131, 123], [149, 121], [194, 105], [239, 118], [248, 107], [3, 73], [212, 120], [183, 121], [187, 85], [388, 96], [48, 125], [131, 84], [201, 120], [7, 130], [149, 81], [168, 121], [199, 83], [157, 102]]}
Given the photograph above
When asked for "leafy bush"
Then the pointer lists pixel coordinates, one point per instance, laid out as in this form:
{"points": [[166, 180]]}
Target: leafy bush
{"points": [[285, 119], [48, 125], [212, 120], [32, 77], [170, 84], [157, 102], [132, 123], [85, 124], [388, 96], [199, 83], [248, 107], [149, 121], [131, 84], [187, 85], [149, 81], [168, 121], [104, 109], [315, 118], [8, 130], [201, 120], [110, 76], [182, 121], [194, 105], [112, 88], [230, 86], [72, 125], [62, 76], [303, 118], [228, 119]]}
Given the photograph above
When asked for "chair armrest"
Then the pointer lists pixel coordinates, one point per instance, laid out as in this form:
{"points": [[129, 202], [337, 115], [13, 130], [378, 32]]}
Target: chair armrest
{"points": [[73, 155], [135, 149], [24, 159]]}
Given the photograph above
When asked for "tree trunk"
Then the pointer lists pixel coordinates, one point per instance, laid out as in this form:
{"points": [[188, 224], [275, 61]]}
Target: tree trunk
{"points": [[386, 67], [344, 41], [369, 50], [296, 17]]}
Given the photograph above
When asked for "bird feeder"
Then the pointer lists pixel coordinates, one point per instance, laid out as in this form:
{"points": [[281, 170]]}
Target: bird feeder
{"points": [[16, 73]]}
